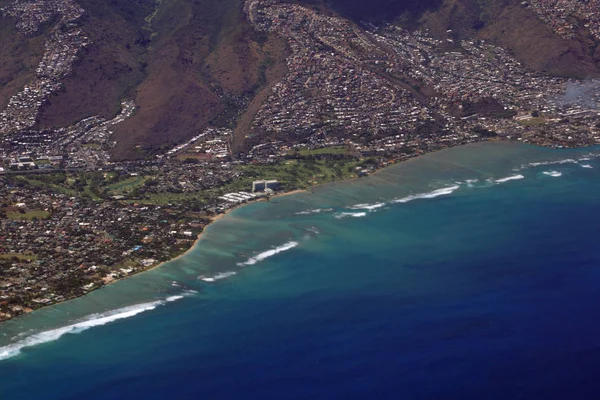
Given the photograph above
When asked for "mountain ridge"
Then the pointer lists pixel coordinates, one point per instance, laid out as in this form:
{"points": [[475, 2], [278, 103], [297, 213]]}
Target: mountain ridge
{"points": [[194, 65], [127, 125]]}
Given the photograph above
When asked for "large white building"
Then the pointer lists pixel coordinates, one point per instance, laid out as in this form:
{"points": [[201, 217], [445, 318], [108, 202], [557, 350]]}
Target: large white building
{"points": [[261, 186]]}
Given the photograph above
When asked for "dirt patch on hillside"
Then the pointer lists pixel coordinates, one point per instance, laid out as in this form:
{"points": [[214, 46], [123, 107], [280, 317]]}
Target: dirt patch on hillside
{"points": [[204, 67], [511, 24], [107, 71], [19, 58]]}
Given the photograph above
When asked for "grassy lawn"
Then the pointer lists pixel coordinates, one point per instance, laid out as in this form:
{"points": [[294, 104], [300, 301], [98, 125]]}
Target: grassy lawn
{"points": [[46, 182], [127, 185], [533, 121], [294, 174], [323, 151], [29, 215], [291, 174], [22, 257], [171, 198]]}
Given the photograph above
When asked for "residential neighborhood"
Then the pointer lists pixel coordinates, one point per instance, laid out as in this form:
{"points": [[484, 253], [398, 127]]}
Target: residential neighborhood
{"points": [[354, 99]]}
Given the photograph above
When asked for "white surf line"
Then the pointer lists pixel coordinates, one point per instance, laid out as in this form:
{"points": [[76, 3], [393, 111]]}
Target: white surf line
{"points": [[269, 253], [314, 211], [91, 321], [351, 215], [367, 206], [429, 195], [557, 162], [554, 174], [509, 178], [217, 277]]}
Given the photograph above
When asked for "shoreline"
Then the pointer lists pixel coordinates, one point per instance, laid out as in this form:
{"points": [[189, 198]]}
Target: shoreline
{"points": [[217, 217], [212, 218]]}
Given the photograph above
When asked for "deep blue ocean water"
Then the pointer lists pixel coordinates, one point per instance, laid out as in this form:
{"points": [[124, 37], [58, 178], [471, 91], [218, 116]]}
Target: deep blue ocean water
{"points": [[436, 279]]}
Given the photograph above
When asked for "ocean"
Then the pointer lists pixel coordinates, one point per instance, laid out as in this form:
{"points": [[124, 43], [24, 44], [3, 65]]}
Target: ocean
{"points": [[470, 273]]}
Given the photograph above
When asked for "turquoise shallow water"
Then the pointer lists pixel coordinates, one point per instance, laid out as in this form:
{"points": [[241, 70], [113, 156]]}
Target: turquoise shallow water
{"points": [[468, 273]]}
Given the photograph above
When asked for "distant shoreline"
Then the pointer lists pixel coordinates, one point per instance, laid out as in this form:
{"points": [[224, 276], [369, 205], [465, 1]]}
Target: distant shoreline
{"points": [[217, 217], [213, 219]]}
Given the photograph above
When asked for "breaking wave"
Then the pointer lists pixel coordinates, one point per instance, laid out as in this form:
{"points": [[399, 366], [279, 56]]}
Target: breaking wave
{"points": [[509, 178], [217, 277], [351, 214], [268, 253], [586, 166], [313, 230], [315, 211], [554, 174], [369, 207], [91, 321], [429, 195], [557, 162]]}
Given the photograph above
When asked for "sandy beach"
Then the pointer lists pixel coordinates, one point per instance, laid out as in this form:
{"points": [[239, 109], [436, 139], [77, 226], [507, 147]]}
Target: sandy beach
{"points": [[213, 219]]}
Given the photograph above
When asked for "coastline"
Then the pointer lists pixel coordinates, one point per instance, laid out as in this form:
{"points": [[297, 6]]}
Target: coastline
{"points": [[430, 250], [212, 218], [217, 217]]}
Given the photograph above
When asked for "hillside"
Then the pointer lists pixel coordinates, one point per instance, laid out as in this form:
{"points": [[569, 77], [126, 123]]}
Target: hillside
{"points": [[203, 66], [109, 69], [514, 25], [188, 65], [509, 23], [193, 65], [126, 124], [19, 57]]}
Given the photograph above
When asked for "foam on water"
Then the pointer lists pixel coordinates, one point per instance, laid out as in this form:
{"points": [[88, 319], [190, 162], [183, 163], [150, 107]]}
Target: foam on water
{"points": [[428, 195], [557, 162], [509, 178], [554, 174], [369, 207], [93, 320], [269, 253], [314, 230], [315, 211], [402, 300], [586, 166], [589, 156], [217, 277], [351, 214]]}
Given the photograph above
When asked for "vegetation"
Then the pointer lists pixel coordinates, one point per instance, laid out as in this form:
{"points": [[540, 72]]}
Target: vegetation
{"points": [[323, 151], [27, 215], [297, 174], [127, 185], [18, 257], [533, 121]]}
